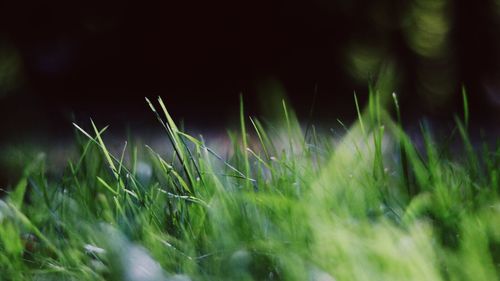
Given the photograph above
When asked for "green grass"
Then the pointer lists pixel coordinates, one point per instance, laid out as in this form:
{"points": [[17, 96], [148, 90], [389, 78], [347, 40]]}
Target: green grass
{"points": [[281, 206]]}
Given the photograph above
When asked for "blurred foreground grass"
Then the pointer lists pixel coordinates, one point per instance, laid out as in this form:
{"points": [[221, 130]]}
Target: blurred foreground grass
{"points": [[284, 204]]}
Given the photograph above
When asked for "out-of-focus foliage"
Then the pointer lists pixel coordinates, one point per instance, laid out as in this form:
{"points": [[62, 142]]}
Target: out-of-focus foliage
{"points": [[215, 50], [10, 69], [427, 31]]}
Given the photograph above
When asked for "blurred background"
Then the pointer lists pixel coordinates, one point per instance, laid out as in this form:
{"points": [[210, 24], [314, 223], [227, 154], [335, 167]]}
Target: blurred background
{"points": [[63, 60]]}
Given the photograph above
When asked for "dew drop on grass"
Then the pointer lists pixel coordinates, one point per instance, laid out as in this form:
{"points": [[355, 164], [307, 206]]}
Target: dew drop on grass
{"points": [[91, 249]]}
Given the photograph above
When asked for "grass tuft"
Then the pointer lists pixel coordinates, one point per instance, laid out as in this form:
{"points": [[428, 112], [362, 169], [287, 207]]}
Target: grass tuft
{"points": [[370, 205]]}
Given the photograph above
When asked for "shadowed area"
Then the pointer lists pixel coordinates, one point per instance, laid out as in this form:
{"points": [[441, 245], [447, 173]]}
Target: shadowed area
{"points": [[58, 60]]}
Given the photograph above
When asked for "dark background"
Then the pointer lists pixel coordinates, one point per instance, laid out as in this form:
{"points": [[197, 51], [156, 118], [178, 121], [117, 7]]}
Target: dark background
{"points": [[67, 60]]}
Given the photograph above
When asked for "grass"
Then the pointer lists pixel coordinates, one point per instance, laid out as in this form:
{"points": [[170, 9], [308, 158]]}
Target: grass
{"points": [[371, 205]]}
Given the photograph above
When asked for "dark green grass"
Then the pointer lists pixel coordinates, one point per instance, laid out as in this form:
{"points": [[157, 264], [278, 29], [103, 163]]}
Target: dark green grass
{"points": [[280, 206]]}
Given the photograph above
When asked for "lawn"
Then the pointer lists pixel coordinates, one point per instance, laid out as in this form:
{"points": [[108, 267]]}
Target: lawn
{"points": [[285, 202]]}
